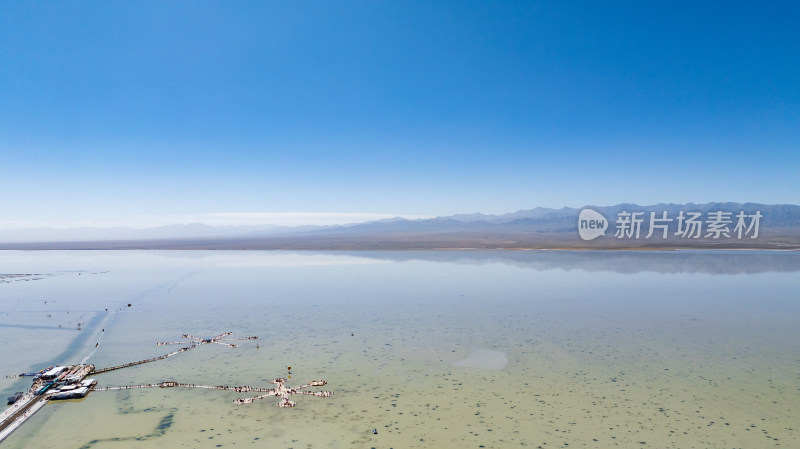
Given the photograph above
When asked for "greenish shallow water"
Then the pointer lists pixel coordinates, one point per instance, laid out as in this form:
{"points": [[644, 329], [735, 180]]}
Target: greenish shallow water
{"points": [[432, 349]]}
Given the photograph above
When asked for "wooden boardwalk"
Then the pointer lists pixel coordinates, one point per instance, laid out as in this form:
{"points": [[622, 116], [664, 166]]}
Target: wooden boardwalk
{"points": [[126, 365], [37, 396]]}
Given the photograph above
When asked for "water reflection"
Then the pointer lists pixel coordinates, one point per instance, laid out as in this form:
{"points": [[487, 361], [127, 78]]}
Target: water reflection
{"points": [[707, 262], [434, 349]]}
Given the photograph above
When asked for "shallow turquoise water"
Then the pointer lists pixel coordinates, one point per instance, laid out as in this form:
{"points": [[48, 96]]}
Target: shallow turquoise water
{"points": [[432, 349]]}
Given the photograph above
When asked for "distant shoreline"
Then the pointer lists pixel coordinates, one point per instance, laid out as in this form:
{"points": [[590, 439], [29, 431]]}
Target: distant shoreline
{"points": [[353, 245], [777, 228]]}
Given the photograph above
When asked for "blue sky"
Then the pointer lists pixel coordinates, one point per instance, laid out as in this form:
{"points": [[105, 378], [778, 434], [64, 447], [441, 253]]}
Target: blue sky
{"points": [[123, 112]]}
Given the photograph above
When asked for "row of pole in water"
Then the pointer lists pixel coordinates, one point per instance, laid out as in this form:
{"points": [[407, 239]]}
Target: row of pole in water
{"points": [[238, 389], [281, 391], [161, 357]]}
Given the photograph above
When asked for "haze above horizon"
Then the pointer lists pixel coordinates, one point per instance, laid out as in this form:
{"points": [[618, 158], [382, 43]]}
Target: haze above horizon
{"points": [[138, 113]]}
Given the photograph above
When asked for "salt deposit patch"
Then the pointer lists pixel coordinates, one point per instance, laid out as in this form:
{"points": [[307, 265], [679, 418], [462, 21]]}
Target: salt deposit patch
{"points": [[484, 359]]}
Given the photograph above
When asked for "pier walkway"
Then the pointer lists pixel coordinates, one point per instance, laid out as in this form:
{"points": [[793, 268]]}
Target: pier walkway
{"points": [[281, 390], [243, 389], [126, 365], [15, 415], [57, 377]]}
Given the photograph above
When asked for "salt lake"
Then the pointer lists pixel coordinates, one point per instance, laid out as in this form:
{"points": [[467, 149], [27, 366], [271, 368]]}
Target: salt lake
{"points": [[438, 349]]}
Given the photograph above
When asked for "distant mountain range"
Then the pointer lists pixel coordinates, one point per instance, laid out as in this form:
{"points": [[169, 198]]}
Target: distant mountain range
{"points": [[717, 225]]}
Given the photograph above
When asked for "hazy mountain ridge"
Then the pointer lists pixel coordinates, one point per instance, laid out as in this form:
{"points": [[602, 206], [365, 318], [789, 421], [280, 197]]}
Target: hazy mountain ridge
{"points": [[535, 213], [532, 228], [564, 220]]}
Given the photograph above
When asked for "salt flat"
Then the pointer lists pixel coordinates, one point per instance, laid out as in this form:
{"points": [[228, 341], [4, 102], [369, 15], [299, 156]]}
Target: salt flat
{"points": [[431, 353]]}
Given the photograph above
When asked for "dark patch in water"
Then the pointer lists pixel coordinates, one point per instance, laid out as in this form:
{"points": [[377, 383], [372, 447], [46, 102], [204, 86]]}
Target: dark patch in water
{"points": [[166, 423], [161, 429]]}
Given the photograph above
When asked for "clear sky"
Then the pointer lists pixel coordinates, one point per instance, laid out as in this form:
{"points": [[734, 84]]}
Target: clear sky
{"points": [[111, 111]]}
